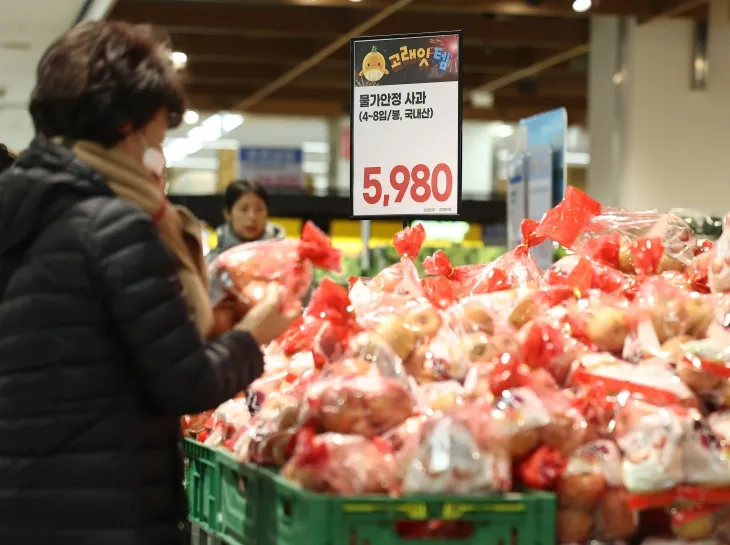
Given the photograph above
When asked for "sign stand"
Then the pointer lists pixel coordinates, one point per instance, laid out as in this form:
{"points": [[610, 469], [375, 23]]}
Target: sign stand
{"points": [[405, 126]]}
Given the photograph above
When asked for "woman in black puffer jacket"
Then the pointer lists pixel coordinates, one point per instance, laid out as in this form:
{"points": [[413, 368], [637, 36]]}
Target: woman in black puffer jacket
{"points": [[104, 316]]}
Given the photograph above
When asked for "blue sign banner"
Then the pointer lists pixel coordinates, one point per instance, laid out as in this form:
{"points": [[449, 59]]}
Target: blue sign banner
{"points": [[272, 167], [550, 129]]}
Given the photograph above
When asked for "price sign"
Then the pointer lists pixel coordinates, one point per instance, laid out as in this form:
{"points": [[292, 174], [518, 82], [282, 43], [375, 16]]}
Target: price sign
{"points": [[405, 137]]}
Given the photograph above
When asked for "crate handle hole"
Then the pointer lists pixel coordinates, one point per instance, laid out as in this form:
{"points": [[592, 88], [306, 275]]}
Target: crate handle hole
{"points": [[434, 529], [286, 508], [242, 483]]}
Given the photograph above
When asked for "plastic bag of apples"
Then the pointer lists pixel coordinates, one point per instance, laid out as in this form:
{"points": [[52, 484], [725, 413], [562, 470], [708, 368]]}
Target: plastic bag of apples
{"points": [[239, 276]]}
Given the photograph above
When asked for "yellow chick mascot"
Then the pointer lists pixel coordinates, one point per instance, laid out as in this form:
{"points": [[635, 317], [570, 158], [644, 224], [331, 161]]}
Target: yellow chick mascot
{"points": [[373, 66]]}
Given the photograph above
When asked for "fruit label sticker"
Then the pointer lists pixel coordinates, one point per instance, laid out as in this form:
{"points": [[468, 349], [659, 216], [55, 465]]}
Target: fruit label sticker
{"points": [[653, 457], [521, 409], [599, 458], [452, 448], [405, 118]]}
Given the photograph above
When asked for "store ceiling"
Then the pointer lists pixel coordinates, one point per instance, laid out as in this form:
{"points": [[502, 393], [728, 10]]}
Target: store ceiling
{"points": [[237, 47]]}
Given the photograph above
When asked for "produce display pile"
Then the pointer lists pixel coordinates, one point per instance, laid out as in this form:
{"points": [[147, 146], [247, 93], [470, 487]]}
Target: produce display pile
{"points": [[603, 379]]}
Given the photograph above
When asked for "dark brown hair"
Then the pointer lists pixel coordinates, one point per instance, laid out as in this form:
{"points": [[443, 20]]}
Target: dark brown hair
{"points": [[239, 188], [7, 158], [101, 77]]}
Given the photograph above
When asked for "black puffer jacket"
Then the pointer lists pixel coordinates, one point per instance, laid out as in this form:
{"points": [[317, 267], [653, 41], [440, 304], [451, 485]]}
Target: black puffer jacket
{"points": [[98, 359]]}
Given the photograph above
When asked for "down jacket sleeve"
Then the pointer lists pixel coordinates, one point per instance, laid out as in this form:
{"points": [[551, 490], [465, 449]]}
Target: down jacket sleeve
{"points": [[179, 372]]}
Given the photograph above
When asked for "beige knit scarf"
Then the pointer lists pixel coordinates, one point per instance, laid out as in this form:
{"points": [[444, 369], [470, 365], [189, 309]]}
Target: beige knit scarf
{"points": [[177, 227]]}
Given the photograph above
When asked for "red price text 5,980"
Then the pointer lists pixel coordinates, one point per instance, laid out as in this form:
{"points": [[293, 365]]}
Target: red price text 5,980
{"points": [[420, 182]]}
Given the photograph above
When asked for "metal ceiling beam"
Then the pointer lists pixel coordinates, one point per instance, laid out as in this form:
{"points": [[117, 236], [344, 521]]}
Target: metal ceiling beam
{"points": [[238, 20], [551, 8], [325, 52], [536, 68], [231, 50]]}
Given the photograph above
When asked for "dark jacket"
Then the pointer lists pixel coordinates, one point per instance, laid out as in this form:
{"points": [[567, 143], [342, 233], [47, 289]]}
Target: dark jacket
{"points": [[98, 360], [228, 239]]}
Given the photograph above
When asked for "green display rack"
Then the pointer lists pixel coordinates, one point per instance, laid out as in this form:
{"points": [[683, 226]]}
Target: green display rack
{"points": [[298, 517], [240, 502], [202, 483]]}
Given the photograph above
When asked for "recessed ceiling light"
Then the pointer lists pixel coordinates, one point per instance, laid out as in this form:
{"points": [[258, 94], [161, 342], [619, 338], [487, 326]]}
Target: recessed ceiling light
{"points": [[481, 99], [582, 5], [355, 1], [179, 59], [191, 117], [503, 130]]}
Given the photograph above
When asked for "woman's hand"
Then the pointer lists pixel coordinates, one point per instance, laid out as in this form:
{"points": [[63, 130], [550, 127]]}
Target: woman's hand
{"points": [[267, 321], [225, 315]]}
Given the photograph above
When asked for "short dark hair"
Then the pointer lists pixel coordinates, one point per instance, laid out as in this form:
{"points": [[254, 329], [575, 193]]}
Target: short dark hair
{"points": [[7, 158], [239, 188], [102, 76]]}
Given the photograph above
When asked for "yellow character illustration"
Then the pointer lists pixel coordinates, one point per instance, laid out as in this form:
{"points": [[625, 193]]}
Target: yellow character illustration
{"points": [[373, 66]]}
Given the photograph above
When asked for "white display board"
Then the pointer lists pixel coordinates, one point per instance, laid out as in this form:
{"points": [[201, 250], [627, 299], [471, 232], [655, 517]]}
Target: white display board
{"points": [[405, 138]]}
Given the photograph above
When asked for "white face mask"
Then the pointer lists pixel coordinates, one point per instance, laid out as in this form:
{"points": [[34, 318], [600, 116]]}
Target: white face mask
{"points": [[153, 160]]}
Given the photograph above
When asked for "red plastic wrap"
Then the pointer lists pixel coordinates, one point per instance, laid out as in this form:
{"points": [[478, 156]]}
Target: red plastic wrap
{"points": [[341, 464], [291, 380], [653, 380], [224, 422], [515, 269], [367, 406], [698, 272], [703, 524], [546, 347], [601, 321], [461, 280], [267, 438], [719, 263], [244, 271], [633, 242], [416, 333], [651, 439], [593, 503], [706, 458], [666, 316], [194, 424], [440, 396], [705, 369], [582, 274], [403, 276], [542, 469], [443, 454], [325, 327]]}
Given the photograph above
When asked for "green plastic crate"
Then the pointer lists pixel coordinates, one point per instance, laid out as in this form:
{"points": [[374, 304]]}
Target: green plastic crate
{"points": [[198, 536], [240, 503], [298, 517], [202, 483]]}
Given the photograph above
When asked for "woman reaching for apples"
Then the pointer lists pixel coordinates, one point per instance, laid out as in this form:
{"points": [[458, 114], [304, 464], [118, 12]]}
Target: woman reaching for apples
{"points": [[105, 319]]}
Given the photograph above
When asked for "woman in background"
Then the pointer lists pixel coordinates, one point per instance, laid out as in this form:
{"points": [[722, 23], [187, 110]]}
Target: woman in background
{"points": [[246, 211]]}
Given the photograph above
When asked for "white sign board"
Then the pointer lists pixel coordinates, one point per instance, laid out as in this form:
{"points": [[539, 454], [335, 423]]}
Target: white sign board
{"points": [[406, 126]]}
